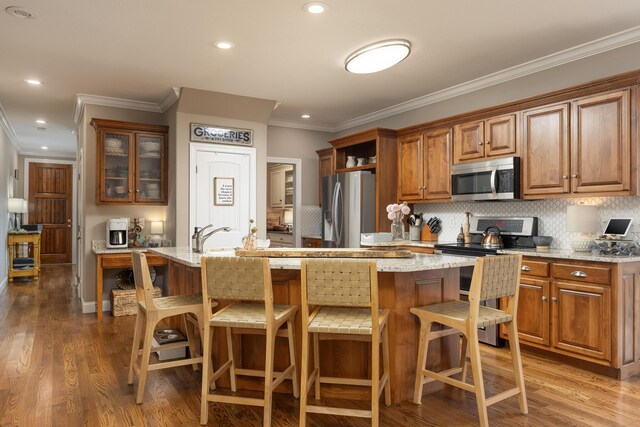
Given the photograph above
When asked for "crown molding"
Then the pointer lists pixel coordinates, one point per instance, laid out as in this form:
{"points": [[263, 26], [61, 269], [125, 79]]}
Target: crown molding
{"points": [[296, 125], [167, 102], [594, 47], [49, 153], [8, 129]]}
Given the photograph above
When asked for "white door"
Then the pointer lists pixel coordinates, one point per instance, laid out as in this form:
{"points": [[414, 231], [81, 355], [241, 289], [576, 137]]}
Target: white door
{"points": [[224, 193]]}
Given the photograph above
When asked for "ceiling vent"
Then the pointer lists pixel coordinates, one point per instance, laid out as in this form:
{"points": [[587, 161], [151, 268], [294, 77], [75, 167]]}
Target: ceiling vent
{"points": [[20, 12]]}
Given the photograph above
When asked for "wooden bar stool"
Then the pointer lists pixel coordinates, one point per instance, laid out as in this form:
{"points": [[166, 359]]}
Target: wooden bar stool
{"points": [[493, 277], [150, 312], [245, 279], [345, 296]]}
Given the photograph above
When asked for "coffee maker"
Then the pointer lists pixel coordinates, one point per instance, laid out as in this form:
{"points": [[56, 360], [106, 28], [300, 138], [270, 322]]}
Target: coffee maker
{"points": [[117, 230]]}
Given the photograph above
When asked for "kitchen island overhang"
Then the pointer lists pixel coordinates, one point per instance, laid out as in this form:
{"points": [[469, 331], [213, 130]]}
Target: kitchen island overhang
{"points": [[403, 283]]}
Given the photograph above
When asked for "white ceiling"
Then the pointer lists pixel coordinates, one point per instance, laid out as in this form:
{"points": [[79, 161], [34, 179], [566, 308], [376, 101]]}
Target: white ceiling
{"points": [[140, 49]]}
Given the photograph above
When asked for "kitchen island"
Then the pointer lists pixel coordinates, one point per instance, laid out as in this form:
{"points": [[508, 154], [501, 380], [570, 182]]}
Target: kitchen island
{"points": [[402, 283]]}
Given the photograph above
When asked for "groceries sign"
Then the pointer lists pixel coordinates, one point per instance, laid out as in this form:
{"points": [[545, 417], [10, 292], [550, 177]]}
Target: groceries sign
{"points": [[219, 135]]}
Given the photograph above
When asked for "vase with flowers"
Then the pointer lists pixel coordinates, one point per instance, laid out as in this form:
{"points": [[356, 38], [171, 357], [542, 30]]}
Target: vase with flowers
{"points": [[395, 213], [250, 241]]}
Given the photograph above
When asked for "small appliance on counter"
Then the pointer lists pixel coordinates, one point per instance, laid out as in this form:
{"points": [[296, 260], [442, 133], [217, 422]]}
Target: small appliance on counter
{"points": [[117, 230]]}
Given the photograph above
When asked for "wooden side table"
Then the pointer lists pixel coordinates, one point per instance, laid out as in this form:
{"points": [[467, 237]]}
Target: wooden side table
{"points": [[32, 238]]}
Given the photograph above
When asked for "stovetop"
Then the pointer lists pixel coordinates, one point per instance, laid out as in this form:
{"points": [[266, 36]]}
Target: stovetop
{"points": [[476, 248]]}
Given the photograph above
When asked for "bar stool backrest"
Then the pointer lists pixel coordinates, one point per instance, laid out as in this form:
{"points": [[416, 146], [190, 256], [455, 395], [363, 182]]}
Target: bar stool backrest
{"points": [[142, 279], [236, 278], [340, 282], [498, 276]]}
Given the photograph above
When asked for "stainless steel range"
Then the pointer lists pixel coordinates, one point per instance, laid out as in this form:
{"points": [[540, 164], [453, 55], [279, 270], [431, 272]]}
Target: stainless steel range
{"points": [[516, 232]]}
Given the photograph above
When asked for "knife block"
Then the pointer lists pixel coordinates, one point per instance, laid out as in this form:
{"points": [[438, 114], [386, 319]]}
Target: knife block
{"points": [[427, 236]]}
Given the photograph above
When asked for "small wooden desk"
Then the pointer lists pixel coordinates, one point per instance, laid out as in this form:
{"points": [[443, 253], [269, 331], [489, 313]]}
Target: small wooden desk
{"points": [[117, 260], [32, 237]]}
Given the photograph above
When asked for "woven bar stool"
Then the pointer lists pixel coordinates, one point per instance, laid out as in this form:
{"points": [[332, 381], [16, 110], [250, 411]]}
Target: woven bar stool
{"points": [[345, 296], [245, 279], [493, 277], [150, 312]]}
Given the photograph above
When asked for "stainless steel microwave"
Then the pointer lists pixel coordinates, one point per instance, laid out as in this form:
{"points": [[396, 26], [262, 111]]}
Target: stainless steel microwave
{"points": [[497, 179]]}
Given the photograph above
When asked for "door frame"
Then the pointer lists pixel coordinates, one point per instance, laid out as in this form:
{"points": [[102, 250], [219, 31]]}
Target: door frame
{"points": [[195, 148], [74, 197], [297, 194]]}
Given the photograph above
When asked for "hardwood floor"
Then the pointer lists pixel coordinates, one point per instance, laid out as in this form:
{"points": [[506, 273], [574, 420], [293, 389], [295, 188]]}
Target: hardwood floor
{"points": [[59, 367]]}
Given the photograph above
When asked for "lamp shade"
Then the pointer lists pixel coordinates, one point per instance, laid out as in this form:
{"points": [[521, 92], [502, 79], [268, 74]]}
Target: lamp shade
{"points": [[157, 227], [15, 205], [582, 218], [25, 206]]}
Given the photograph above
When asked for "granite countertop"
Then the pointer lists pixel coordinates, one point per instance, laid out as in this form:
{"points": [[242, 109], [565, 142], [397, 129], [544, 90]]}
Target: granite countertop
{"points": [[99, 247], [280, 232], [570, 255], [417, 262]]}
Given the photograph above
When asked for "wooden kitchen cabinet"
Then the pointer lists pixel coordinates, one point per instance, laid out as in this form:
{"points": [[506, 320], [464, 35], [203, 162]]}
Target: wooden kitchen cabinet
{"points": [[311, 242], [424, 166], [601, 145], [325, 158], [545, 141], [488, 138], [132, 164], [533, 311]]}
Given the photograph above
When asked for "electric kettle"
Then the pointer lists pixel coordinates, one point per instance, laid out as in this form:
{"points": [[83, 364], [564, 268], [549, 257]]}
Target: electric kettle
{"points": [[491, 238]]}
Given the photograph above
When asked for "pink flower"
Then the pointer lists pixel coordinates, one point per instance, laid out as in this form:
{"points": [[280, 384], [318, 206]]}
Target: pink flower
{"points": [[391, 215], [396, 207], [405, 210], [390, 208]]}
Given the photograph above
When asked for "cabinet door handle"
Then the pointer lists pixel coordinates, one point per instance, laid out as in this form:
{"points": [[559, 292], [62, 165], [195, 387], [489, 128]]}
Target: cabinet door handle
{"points": [[130, 191], [554, 299], [574, 175], [544, 298], [579, 273], [488, 142], [137, 191], [480, 143], [525, 268], [565, 177]]}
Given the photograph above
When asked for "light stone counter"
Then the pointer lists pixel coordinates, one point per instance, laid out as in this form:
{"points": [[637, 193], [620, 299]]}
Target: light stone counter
{"points": [[417, 262], [570, 255], [99, 247]]}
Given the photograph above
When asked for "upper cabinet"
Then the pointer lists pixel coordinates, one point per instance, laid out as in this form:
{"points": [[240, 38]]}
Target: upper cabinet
{"points": [[325, 156], [281, 186], [485, 138], [424, 166], [131, 163], [582, 147]]}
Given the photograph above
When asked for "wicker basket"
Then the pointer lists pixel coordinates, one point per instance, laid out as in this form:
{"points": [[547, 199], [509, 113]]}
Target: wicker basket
{"points": [[124, 302]]}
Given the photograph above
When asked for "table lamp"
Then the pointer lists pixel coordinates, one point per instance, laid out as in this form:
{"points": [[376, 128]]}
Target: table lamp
{"points": [[24, 210], [15, 207], [582, 219], [156, 229]]}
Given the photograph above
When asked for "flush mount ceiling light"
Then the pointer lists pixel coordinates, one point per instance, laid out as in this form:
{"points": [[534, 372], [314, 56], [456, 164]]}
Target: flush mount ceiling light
{"points": [[315, 7], [44, 148], [222, 44], [33, 82], [305, 116], [20, 12], [41, 122], [377, 56]]}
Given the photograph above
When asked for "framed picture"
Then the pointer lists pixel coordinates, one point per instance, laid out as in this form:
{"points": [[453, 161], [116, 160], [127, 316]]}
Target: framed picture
{"points": [[223, 191]]}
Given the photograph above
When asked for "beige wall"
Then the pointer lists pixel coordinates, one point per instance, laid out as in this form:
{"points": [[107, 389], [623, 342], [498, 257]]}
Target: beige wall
{"points": [[95, 216], [8, 187], [300, 144], [591, 68]]}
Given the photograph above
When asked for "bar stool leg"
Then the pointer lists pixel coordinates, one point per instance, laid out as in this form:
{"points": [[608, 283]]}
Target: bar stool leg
{"points": [[316, 362], [304, 375], [268, 377], [423, 348], [476, 368], [206, 375], [464, 348], [135, 347], [292, 357], [514, 345], [144, 364], [232, 366], [375, 379], [188, 328], [385, 363]]}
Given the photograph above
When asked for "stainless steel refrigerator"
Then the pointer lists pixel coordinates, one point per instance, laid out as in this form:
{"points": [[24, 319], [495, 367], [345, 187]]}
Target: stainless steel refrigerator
{"points": [[348, 208]]}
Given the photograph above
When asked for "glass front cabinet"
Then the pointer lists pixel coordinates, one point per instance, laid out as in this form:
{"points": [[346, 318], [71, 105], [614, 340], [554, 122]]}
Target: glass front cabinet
{"points": [[131, 163]]}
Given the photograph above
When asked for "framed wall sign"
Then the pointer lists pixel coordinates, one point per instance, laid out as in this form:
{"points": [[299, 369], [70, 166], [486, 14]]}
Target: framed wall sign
{"points": [[221, 135], [223, 191]]}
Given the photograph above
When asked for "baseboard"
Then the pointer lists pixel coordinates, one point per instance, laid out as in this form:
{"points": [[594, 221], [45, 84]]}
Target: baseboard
{"points": [[90, 306], [3, 283]]}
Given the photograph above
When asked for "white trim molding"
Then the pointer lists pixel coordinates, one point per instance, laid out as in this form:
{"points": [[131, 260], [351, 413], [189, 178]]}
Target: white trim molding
{"points": [[297, 125], [130, 104], [297, 193], [8, 129], [3, 283], [90, 306]]}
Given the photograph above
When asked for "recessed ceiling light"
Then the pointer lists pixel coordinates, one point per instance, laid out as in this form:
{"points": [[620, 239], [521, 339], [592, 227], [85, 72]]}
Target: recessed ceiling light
{"points": [[41, 122], [305, 116], [33, 82], [44, 148], [222, 44], [315, 7], [377, 56], [20, 12]]}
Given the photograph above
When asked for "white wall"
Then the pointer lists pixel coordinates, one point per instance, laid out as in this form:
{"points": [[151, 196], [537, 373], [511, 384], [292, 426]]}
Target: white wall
{"points": [[8, 186], [300, 144]]}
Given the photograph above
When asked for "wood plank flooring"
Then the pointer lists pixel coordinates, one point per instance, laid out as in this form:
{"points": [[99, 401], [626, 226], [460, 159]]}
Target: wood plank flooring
{"points": [[59, 367]]}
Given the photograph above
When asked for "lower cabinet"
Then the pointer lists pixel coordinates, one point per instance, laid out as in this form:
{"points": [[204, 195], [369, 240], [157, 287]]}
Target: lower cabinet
{"points": [[311, 242], [280, 240], [559, 310]]}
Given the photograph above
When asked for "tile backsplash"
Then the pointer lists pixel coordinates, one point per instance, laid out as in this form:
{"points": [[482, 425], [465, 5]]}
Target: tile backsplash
{"points": [[310, 220], [551, 214]]}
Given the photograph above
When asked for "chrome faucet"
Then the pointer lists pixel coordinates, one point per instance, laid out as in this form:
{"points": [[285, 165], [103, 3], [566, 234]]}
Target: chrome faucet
{"points": [[200, 239]]}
